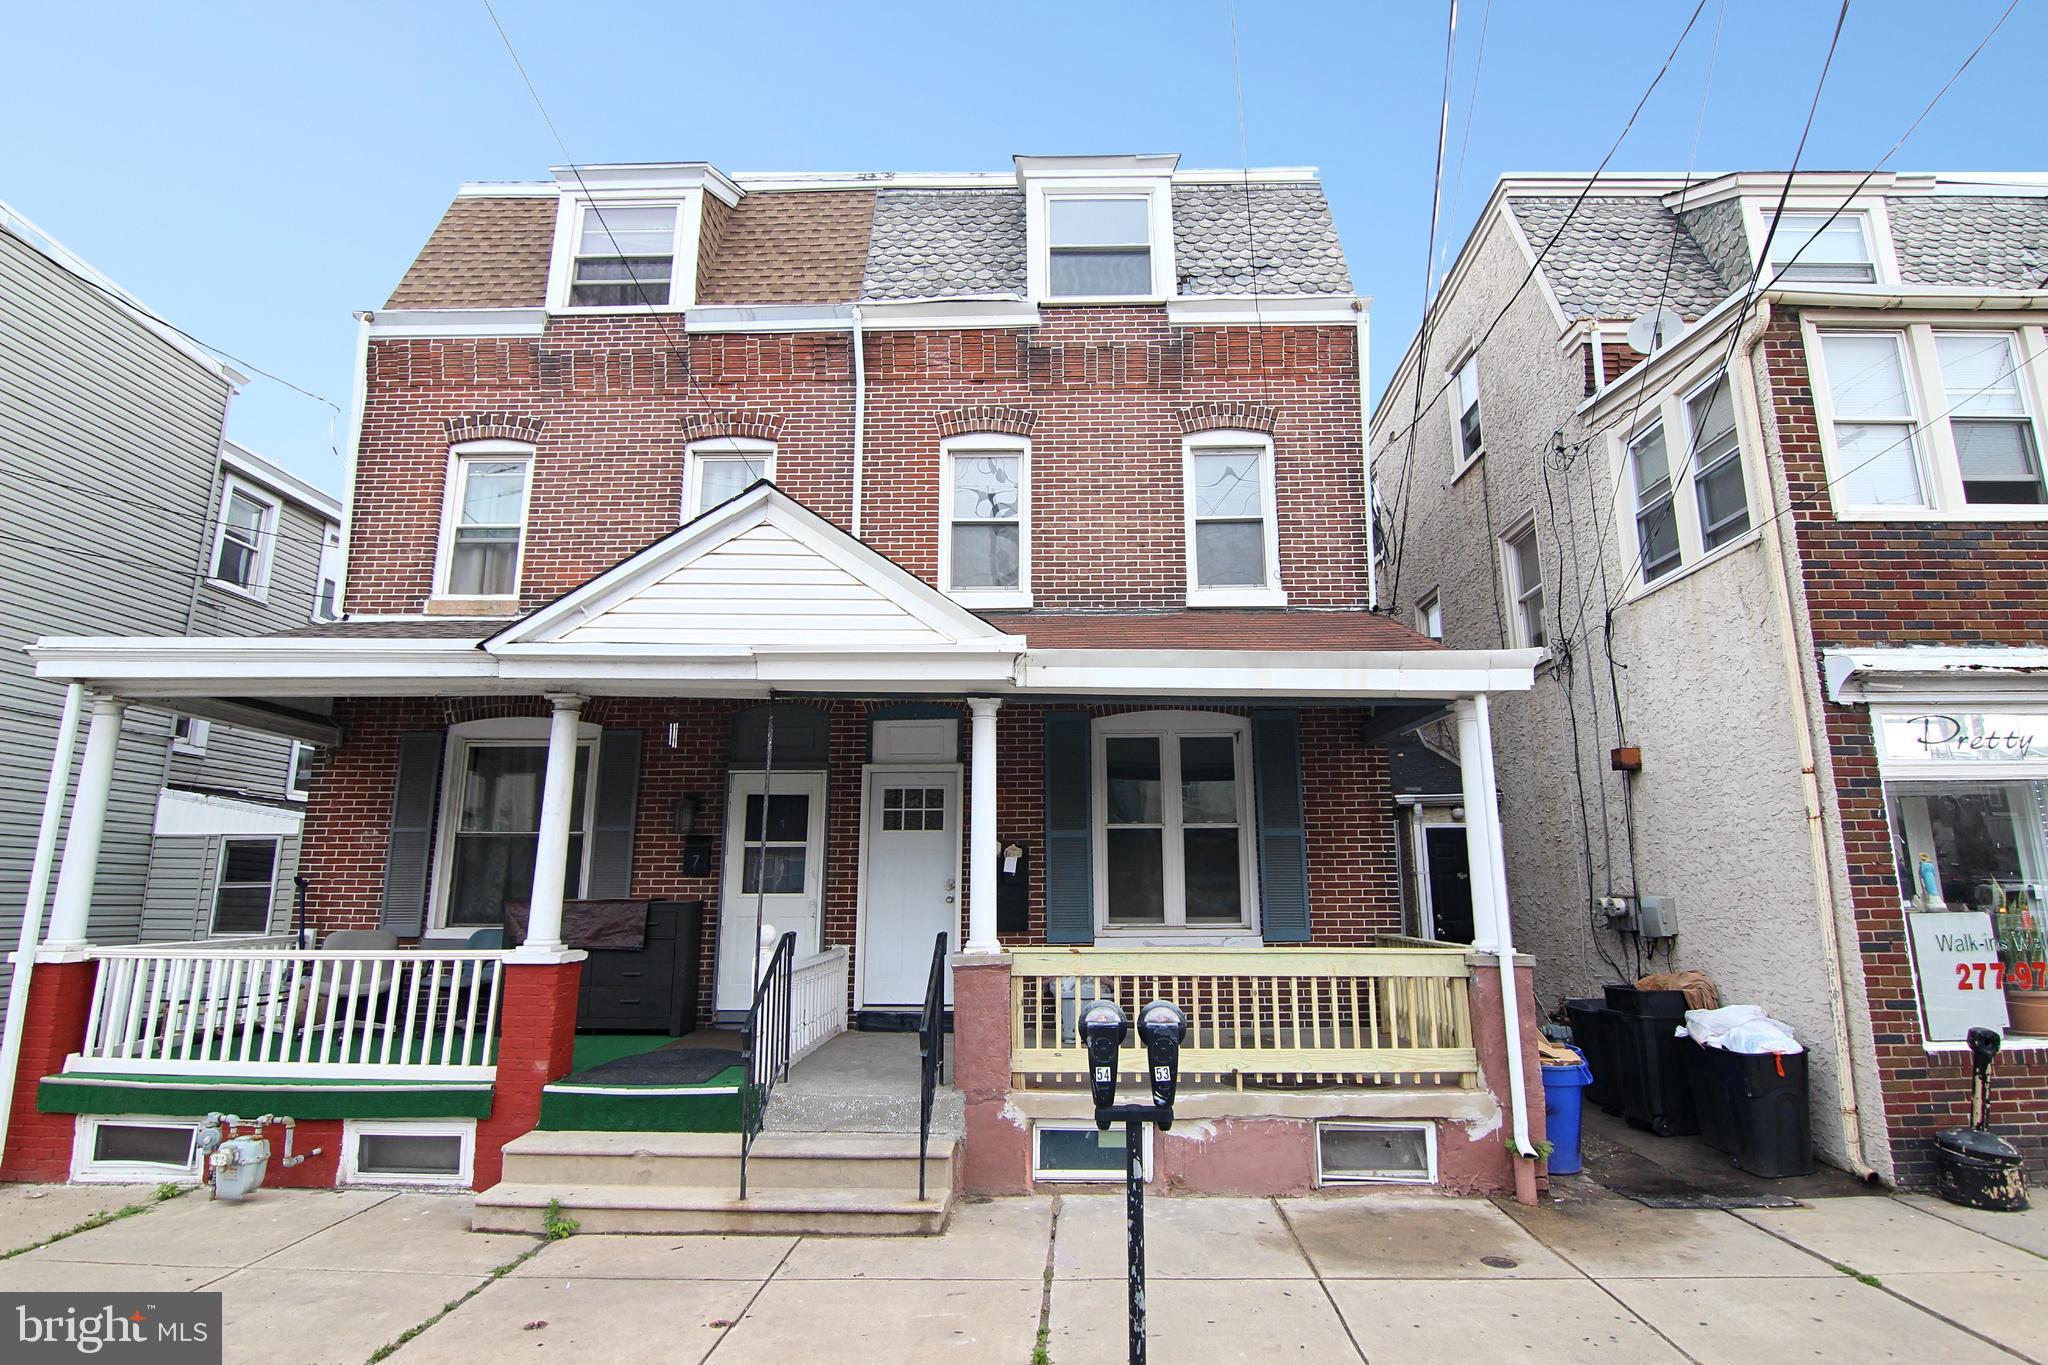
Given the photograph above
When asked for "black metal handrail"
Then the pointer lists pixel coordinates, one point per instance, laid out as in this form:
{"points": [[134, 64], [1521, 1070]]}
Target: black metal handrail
{"points": [[931, 1051], [767, 1046]]}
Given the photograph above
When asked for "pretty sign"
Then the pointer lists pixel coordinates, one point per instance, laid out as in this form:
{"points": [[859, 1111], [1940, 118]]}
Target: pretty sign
{"points": [[1963, 737]]}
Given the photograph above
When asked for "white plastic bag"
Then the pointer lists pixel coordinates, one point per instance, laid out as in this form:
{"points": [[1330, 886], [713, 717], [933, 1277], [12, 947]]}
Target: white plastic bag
{"points": [[1763, 1035], [1709, 1027]]}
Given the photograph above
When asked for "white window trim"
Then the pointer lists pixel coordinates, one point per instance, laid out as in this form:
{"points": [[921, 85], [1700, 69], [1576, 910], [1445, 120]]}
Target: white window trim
{"points": [[1044, 1176], [1638, 552], [1430, 603], [682, 285], [451, 511], [694, 453], [1460, 464], [86, 1171], [1512, 587], [258, 588], [193, 743], [1273, 594], [986, 443], [1323, 1177], [1941, 479], [291, 770], [523, 731], [220, 873], [1169, 727], [1869, 212], [354, 1130], [1671, 407], [1157, 191]]}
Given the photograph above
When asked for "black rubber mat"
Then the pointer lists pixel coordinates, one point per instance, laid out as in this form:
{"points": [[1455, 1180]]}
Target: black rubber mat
{"points": [[663, 1066]]}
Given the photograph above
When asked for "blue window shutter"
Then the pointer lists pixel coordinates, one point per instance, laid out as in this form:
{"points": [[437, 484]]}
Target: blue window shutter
{"points": [[618, 797], [1283, 834], [409, 848], [1069, 842]]}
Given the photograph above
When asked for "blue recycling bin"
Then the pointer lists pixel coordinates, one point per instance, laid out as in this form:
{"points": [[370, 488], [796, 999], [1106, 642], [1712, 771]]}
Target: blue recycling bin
{"points": [[1564, 1086]]}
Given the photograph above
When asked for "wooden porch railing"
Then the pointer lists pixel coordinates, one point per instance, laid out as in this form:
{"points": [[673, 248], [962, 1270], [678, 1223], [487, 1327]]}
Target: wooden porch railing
{"points": [[204, 1010], [817, 1007], [1270, 1016]]}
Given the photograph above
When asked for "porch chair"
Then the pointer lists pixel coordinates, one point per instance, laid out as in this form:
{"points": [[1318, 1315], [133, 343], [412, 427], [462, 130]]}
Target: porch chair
{"points": [[345, 992]]}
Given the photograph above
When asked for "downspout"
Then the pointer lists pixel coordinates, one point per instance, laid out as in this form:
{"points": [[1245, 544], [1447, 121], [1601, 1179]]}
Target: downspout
{"points": [[358, 400], [860, 414], [1782, 587], [58, 787], [1372, 511]]}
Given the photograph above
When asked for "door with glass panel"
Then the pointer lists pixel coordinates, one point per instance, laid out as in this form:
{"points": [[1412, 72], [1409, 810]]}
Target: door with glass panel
{"points": [[496, 828], [773, 873], [1173, 849]]}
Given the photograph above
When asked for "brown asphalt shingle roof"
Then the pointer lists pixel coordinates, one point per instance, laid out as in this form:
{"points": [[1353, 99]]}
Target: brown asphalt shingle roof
{"points": [[485, 253], [804, 246]]}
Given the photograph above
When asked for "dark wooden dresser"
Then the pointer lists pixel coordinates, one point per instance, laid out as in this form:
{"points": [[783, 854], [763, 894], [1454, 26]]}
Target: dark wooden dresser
{"points": [[652, 989]]}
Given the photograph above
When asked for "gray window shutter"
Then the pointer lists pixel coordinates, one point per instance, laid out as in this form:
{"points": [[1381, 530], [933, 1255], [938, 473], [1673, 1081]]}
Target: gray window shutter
{"points": [[1069, 843], [409, 851], [618, 797], [1283, 836]]}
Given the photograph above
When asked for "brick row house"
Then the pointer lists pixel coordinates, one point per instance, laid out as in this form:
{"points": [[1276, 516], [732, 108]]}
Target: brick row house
{"points": [[925, 592], [1789, 728]]}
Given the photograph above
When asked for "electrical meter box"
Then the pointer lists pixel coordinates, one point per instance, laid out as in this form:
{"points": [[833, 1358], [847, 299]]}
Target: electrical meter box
{"points": [[1657, 916]]}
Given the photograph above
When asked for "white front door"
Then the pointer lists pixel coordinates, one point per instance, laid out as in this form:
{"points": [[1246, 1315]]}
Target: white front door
{"points": [[774, 873], [910, 851]]}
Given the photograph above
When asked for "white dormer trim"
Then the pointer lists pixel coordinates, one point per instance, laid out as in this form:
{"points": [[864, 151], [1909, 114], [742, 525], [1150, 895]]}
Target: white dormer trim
{"points": [[1147, 177], [1759, 208], [660, 178], [680, 185]]}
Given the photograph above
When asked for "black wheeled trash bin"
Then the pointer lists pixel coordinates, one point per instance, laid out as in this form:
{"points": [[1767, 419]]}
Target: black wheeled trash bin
{"points": [[1655, 1092], [1593, 1034], [1753, 1106]]}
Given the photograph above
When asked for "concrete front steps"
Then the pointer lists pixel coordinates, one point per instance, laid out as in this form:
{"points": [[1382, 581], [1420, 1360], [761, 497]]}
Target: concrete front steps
{"points": [[830, 1183]]}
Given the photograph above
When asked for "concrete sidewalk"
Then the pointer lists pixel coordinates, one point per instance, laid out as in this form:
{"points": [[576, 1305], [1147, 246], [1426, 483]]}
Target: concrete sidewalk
{"points": [[1382, 1276]]}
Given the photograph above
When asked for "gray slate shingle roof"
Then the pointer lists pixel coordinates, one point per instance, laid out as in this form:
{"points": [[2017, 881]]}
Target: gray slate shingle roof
{"points": [[1986, 241], [1294, 243], [929, 244], [1610, 262]]}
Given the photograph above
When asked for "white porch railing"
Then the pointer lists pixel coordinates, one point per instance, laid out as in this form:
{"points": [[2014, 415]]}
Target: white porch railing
{"points": [[817, 1006], [204, 1010]]}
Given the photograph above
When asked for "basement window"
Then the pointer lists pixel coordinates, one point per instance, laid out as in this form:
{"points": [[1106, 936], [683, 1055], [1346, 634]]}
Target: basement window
{"points": [[1081, 1152], [385, 1153], [1375, 1154], [133, 1149]]}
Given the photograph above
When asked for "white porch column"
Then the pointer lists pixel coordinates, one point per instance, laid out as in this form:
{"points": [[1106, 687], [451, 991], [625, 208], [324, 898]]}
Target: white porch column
{"points": [[982, 843], [551, 850], [1482, 825], [72, 908]]}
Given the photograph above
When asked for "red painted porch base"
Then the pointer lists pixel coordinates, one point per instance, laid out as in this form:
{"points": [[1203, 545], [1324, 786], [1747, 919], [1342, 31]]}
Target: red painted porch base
{"points": [[536, 1044], [59, 1000]]}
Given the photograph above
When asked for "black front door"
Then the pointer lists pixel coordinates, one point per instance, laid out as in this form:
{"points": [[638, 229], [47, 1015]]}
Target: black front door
{"points": [[1450, 882]]}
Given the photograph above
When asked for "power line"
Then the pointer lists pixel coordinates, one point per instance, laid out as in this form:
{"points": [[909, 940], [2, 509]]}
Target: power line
{"points": [[1244, 157]]}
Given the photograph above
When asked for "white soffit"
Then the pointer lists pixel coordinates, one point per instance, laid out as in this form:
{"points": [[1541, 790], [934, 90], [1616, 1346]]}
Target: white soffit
{"points": [[201, 815]]}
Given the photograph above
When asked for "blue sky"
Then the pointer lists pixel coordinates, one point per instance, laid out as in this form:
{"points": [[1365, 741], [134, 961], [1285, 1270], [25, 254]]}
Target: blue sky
{"points": [[255, 172]]}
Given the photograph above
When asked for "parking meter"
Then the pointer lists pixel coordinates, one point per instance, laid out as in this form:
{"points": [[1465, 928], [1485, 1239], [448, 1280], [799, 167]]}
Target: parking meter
{"points": [[1103, 1030], [1162, 1028]]}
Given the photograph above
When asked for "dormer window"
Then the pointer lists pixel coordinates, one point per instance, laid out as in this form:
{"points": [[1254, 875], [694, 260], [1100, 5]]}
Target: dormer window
{"points": [[1099, 247], [625, 256], [1823, 249]]}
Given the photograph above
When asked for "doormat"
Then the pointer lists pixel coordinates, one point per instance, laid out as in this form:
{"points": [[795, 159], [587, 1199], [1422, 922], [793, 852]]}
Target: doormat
{"points": [[663, 1066]]}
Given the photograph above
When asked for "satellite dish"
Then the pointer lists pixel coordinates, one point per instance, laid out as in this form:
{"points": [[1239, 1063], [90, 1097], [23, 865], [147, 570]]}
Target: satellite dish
{"points": [[1652, 332]]}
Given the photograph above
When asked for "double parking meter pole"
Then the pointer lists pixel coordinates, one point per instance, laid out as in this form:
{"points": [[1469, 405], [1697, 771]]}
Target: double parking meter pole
{"points": [[1104, 1028]]}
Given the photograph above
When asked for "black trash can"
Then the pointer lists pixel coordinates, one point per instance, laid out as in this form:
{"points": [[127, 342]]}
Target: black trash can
{"points": [[1753, 1106], [1655, 1091], [1593, 1034]]}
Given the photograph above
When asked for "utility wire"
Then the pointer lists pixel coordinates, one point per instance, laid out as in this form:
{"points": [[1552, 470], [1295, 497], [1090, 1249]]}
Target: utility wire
{"points": [[1244, 157]]}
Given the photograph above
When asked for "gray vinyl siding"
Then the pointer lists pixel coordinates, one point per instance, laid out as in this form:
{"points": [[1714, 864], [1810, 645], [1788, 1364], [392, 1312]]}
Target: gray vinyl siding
{"points": [[109, 439], [183, 872]]}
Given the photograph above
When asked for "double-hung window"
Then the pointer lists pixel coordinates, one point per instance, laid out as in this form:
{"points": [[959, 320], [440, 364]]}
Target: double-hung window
{"points": [[625, 256], [1875, 421], [1523, 569], [1465, 390], [492, 816], [1099, 247], [985, 520], [242, 888], [1173, 846], [1429, 616], [1715, 454], [1820, 249], [243, 539], [1649, 456], [723, 468], [485, 521], [1988, 422], [1233, 539]]}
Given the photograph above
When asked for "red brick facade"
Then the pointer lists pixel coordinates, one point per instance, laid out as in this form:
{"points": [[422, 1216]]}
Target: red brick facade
{"points": [[1873, 583]]}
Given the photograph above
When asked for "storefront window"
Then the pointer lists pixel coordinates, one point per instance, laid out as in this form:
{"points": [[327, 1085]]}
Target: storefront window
{"points": [[1971, 845]]}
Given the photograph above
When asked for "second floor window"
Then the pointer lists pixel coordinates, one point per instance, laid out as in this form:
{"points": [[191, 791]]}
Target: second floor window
{"points": [[242, 541], [1523, 569], [1233, 540], [242, 889], [1099, 248], [625, 256], [1716, 459], [486, 522], [1465, 392], [722, 469], [1988, 422], [1656, 511], [1874, 419], [985, 549], [1808, 246]]}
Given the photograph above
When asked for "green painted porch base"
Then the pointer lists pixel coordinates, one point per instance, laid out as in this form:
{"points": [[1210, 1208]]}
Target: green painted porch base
{"points": [[713, 1107], [83, 1092]]}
